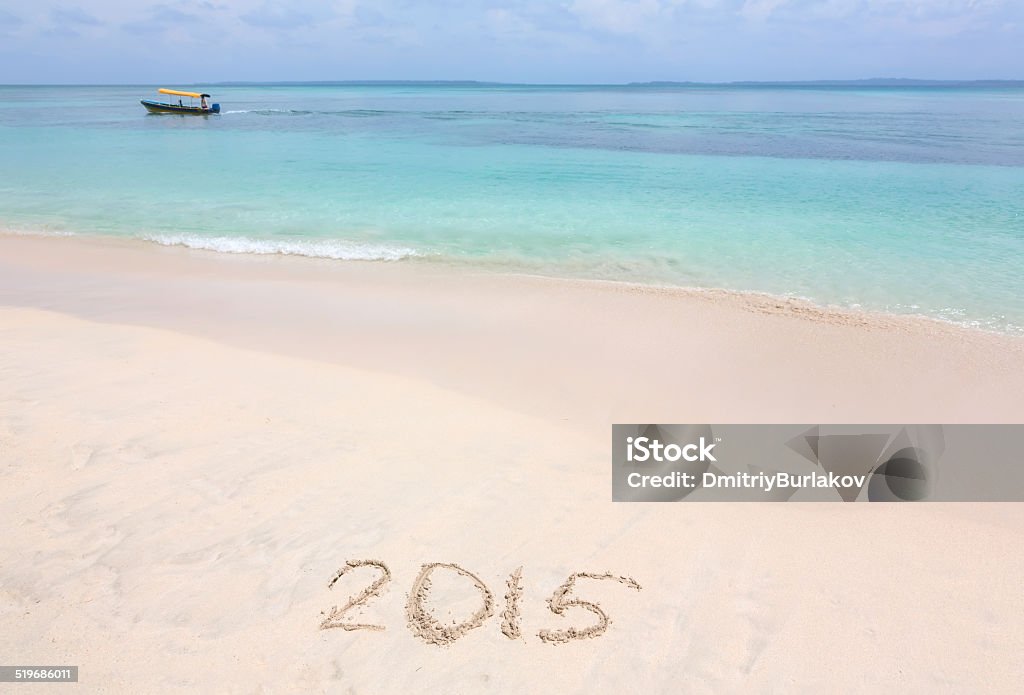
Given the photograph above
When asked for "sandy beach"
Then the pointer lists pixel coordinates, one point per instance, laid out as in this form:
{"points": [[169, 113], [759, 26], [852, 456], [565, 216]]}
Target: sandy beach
{"points": [[193, 444]]}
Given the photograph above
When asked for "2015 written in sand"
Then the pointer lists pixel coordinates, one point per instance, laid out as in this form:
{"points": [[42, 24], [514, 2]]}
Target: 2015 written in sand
{"points": [[427, 628]]}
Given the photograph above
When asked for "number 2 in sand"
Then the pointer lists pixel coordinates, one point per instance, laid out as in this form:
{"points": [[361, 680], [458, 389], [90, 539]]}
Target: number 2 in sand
{"points": [[333, 619]]}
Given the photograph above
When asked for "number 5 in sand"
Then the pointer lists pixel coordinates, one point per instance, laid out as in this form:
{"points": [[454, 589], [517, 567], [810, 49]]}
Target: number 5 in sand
{"points": [[560, 602], [333, 619]]}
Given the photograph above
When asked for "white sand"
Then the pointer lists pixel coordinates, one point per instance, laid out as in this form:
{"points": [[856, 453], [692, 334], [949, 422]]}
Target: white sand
{"points": [[192, 446]]}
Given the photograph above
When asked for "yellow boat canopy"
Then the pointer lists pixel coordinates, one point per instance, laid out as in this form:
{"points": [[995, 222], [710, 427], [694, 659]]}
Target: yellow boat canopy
{"points": [[194, 95]]}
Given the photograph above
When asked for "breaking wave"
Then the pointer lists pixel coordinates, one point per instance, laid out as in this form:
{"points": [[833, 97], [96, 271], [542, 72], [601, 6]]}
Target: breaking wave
{"points": [[319, 248]]}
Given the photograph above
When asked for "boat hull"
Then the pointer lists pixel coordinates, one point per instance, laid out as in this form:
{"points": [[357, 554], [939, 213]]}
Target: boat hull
{"points": [[162, 107]]}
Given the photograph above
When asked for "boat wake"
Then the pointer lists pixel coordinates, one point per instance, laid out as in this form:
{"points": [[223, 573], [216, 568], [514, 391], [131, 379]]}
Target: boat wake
{"points": [[268, 112], [313, 248]]}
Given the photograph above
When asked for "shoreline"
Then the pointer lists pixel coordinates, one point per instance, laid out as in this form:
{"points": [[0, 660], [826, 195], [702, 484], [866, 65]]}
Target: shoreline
{"points": [[590, 352], [752, 300]]}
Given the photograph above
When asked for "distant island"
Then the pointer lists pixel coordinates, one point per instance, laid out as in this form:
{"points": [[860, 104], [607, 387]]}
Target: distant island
{"points": [[871, 82]]}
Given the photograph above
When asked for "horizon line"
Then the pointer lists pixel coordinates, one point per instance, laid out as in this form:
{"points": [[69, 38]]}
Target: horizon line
{"points": [[869, 81]]}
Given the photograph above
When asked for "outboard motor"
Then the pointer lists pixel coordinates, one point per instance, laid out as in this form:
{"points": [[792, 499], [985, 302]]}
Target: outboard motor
{"points": [[215, 108]]}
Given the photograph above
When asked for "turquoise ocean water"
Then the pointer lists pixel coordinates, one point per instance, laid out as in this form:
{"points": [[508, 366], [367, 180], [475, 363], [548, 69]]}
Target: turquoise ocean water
{"points": [[906, 200]]}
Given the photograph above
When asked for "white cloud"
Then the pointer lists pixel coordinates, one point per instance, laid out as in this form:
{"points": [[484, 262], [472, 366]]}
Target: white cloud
{"points": [[616, 16], [764, 10], [760, 10]]}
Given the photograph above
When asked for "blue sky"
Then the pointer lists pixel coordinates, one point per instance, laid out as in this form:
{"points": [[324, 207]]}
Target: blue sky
{"points": [[186, 41]]}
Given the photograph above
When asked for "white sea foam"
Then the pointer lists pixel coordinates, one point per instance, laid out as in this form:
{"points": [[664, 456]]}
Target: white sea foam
{"points": [[313, 248], [265, 112]]}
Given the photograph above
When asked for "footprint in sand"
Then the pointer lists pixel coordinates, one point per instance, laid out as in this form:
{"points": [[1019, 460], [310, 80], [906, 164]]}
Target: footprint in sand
{"points": [[81, 456]]}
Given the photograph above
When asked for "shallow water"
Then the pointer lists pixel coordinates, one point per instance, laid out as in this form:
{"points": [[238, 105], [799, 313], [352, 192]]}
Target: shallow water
{"points": [[908, 200]]}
